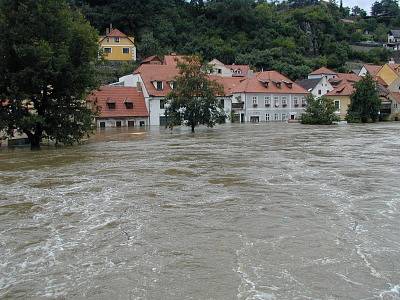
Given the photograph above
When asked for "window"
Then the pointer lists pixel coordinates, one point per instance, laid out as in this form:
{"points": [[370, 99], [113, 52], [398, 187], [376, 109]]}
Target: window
{"points": [[284, 101], [159, 85], [125, 50], [337, 105], [254, 119], [172, 84], [303, 102], [118, 124], [219, 71], [267, 101], [162, 104], [319, 92], [129, 105], [296, 102], [111, 105], [276, 101], [108, 40], [222, 103], [116, 39], [276, 117], [255, 101], [107, 50], [267, 118], [284, 117], [102, 124], [141, 123], [131, 123]]}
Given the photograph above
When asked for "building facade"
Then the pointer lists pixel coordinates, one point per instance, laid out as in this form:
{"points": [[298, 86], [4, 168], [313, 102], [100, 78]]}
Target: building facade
{"points": [[117, 46]]}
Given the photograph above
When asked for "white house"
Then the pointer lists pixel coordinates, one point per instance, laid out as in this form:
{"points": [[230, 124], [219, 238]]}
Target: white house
{"points": [[393, 40], [220, 69], [369, 69], [317, 87], [322, 72], [268, 97]]}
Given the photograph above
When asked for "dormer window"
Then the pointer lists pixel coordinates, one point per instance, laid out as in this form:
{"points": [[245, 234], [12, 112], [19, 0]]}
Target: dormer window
{"points": [[116, 39], [172, 84], [159, 85], [129, 104], [111, 105]]}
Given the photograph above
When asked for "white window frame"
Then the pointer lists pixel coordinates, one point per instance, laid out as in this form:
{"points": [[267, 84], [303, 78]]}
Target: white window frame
{"points": [[267, 118], [284, 100], [334, 103], [116, 39], [255, 100], [276, 117], [129, 50], [276, 101], [104, 49], [267, 101]]}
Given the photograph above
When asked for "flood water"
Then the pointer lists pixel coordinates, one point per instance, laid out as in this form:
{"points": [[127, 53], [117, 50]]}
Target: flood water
{"points": [[269, 211]]}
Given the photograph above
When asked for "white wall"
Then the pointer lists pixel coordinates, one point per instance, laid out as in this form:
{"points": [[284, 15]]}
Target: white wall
{"points": [[324, 86], [321, 76]]}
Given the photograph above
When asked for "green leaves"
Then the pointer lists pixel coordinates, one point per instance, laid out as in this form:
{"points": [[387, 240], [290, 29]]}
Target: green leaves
{"points": [[365, 103], [48, 67], [194, 100], [319, 111]]}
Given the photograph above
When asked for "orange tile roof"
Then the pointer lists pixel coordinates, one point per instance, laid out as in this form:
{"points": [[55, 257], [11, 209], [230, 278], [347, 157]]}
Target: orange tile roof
{"points": [[395, 96], [150, 59], [151, 73], [116, 33], [269, 82], [344, 89], [228, 83], [119, 95], [243, 69], [372, 69], [343, 78], [173, 59], [322, 71]]}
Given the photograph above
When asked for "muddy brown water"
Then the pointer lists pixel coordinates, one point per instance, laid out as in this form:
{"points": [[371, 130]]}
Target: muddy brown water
{"points": [[269, 211]]}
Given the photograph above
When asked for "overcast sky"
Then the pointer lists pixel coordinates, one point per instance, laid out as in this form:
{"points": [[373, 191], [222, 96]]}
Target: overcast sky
{"points": [[364, 4]]}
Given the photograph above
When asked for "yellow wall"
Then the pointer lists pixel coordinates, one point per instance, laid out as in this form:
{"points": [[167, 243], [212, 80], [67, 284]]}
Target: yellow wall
{"points": [[344, 105], [117, 49], [387, 74]]}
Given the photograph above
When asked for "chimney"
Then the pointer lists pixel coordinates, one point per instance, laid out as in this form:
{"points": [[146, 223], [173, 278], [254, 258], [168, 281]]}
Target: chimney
{"points": [[107, 31], [111, 28]]}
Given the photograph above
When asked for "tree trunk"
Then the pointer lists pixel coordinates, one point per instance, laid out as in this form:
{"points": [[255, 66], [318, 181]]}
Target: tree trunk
{"points": [[193, 126], [35, 141]]}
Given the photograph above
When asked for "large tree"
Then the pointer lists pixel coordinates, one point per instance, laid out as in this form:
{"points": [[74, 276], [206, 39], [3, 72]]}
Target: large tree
{"points": [[194, 100], [365, 103], [319, 111], [47, 66]]}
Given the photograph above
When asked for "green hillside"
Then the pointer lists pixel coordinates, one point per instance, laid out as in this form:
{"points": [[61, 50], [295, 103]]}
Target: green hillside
{"points": [[292, 37]]}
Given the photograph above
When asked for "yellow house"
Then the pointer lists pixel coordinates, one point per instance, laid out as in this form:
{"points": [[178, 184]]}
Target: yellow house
{"points": [[389, 73], [117, 46], [340, 96]]}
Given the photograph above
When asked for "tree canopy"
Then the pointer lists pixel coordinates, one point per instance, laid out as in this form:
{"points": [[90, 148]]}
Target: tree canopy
{"points": [[365, 103], [292, 36], [193, 101], [47, 67], [319, 111]]}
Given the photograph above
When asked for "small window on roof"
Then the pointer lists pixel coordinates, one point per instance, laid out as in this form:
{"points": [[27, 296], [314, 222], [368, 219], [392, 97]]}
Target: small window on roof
{"points": [[111, 105], [159, 85], [116, 39], [129, 104]]}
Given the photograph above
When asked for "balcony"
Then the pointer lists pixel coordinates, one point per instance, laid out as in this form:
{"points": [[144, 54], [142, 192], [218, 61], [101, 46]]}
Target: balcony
{"points": [[284, 105], [238, 105], [255, 105]]}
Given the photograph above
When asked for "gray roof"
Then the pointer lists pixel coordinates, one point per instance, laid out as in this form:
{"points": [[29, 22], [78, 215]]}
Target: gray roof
{"points": [[308, 84], [395, 33]]}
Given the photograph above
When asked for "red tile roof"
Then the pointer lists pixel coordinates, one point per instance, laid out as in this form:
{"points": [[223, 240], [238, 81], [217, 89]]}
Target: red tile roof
{"points": [[344, 89], [116, 33], [323, 71], [119, 95], [395, 96], [269, 82], [343, 78], [379, 80], [151, 59], [151, 73], [239, 70], [372, 69], [173, 59], [228, 83]]}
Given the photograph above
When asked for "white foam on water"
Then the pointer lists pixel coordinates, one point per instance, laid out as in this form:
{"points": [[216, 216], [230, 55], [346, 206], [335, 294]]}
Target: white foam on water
{"points": [[373, 271], [392, 294], [345, 278]]}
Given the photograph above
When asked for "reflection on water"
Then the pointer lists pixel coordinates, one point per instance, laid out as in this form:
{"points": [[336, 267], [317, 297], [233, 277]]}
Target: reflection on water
{"points": [[267, 211]]}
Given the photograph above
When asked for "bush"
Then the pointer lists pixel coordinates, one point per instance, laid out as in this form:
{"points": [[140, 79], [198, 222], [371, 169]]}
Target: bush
{"points": [[320, 111]]}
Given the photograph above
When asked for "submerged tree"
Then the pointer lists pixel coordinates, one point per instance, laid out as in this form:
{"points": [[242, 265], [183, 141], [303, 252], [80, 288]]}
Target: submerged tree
{"points": [[319, 111], [47, 67], [194, 100], [365, 104]]}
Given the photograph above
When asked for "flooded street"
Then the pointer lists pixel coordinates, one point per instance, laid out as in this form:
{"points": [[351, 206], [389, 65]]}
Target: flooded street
{"points": [[269, 211]]}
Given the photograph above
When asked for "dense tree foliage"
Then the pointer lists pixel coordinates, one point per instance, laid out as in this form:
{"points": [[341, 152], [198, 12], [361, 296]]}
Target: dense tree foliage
{"points": [[365, 103], [319, 111], [193, 101], [292, 36], [46, 68]]}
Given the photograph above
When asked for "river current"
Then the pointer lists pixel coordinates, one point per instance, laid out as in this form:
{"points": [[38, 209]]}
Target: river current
{"points": [[243, 211]]}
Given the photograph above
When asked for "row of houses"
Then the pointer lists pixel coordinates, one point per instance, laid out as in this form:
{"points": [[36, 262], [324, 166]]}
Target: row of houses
{"points": [[137, 99], [248, 96]]}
